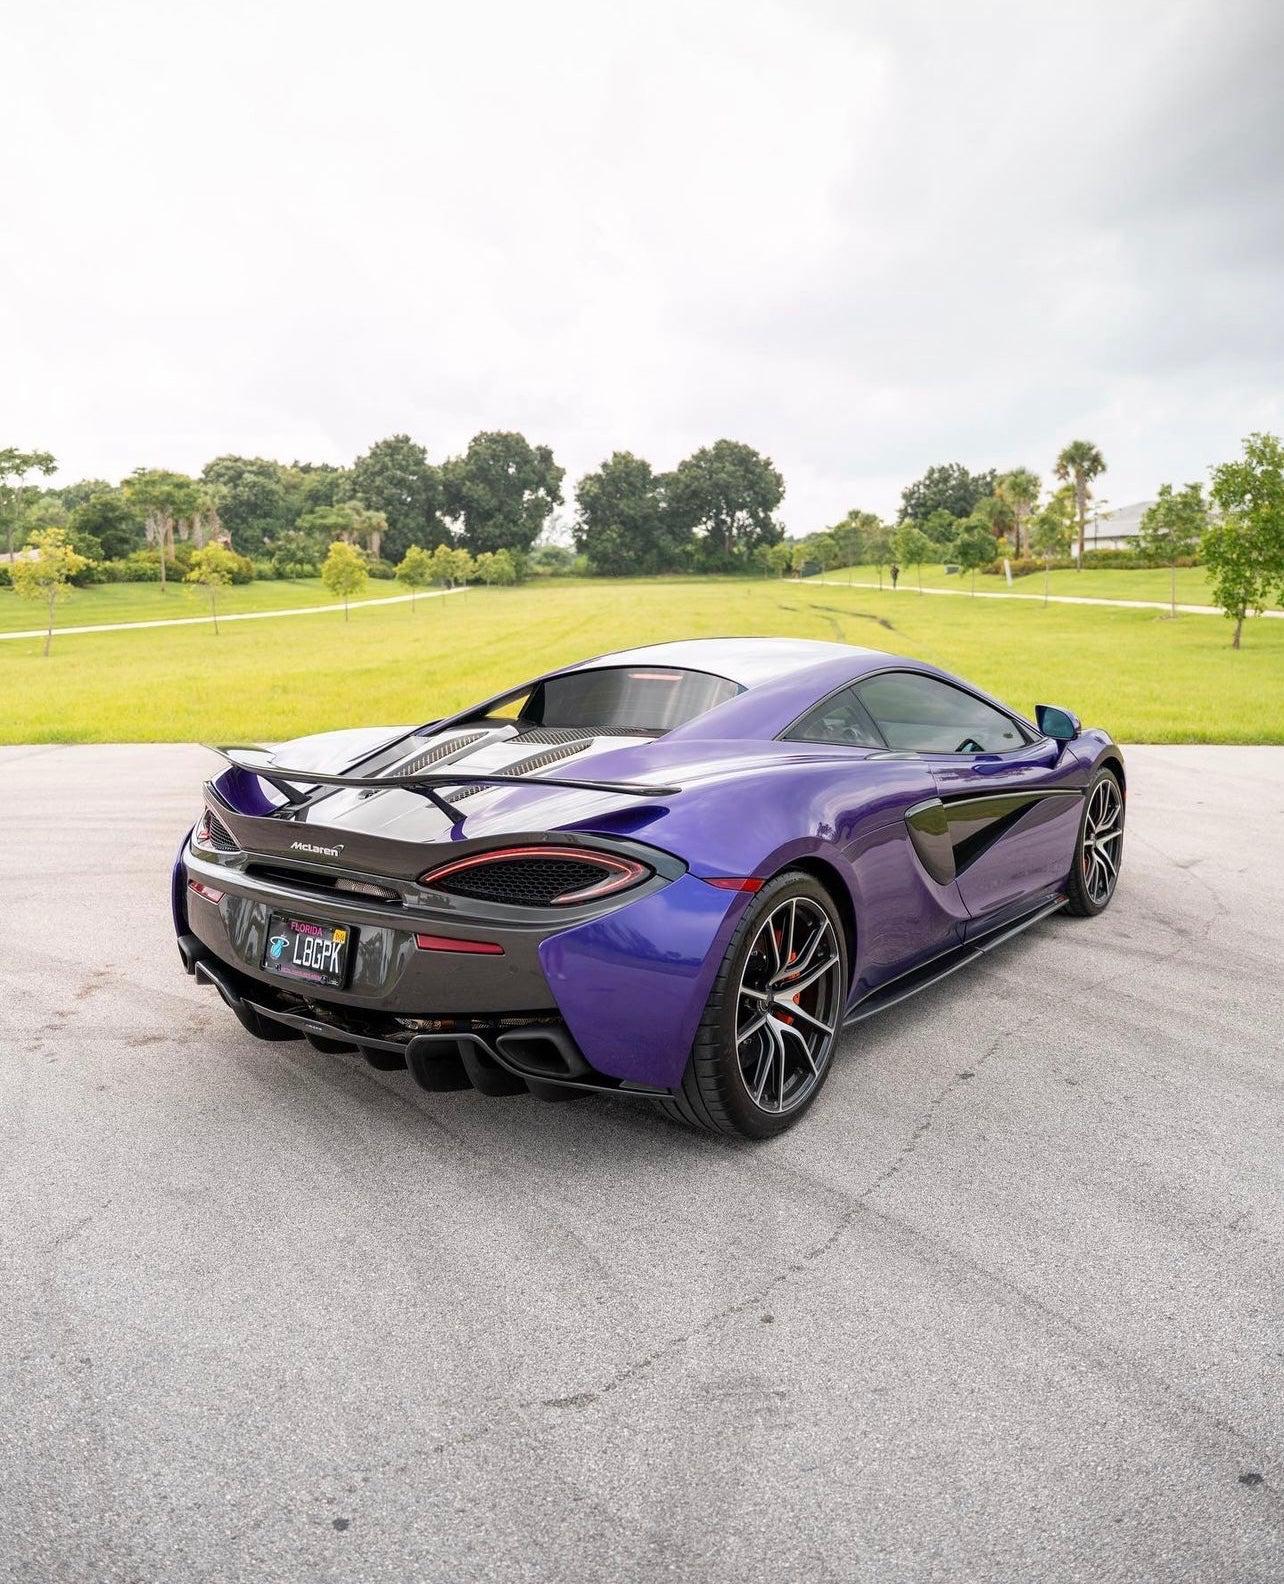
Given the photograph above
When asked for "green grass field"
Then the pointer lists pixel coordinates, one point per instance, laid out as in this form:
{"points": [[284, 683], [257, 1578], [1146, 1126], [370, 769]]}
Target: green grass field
{"points": [[1146, 583], [1144, 677], [122, 602]]}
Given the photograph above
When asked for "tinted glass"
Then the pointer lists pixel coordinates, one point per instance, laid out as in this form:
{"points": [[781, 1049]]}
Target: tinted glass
{"points": [[919, 712], [627, 698], [838, 720]]}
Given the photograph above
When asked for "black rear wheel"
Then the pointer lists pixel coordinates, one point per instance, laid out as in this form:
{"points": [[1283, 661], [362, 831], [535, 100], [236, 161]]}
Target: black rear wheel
{"points": [[764, 1046], [1099, 850]]}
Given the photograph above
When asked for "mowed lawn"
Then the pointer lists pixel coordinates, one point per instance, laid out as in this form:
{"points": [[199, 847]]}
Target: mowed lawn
{"points": [[1144, 677], [124, 602], [1145, 583]]}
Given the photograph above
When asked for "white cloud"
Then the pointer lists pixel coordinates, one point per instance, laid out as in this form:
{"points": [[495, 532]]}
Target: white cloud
{"points": [[864, 238]]}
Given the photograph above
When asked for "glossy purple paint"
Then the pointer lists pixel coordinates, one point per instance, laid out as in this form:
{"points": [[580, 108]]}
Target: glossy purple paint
{"points": [[632, 983]]}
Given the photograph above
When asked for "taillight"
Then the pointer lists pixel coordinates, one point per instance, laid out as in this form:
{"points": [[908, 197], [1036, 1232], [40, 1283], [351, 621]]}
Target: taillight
{"points": [[538, 876], [207, 891], [203, 828]]}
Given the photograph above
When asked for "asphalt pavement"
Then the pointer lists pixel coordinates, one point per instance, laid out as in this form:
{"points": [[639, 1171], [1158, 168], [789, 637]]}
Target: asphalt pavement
{"points": [[1006, 1306]]}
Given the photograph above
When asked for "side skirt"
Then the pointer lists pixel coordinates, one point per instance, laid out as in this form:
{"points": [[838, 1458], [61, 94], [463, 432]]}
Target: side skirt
{"points": [[942, 967]]}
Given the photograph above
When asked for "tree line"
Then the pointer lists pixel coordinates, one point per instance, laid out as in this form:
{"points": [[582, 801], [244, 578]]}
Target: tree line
{"points": [[708, 514], [481, 515]]}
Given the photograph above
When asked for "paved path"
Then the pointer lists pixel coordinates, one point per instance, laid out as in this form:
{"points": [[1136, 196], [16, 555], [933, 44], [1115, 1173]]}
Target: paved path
{"points": [[201, 621], [1052, 599], [1007, 1307]]}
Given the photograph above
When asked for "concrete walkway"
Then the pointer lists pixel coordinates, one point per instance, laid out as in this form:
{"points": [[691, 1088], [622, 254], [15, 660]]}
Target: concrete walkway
{"points": [[198, 621], [1052, 599]]}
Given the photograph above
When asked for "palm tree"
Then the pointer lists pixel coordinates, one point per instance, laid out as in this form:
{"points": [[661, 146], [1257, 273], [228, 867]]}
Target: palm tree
{"points": [[1081, 462], [1019, 490]]}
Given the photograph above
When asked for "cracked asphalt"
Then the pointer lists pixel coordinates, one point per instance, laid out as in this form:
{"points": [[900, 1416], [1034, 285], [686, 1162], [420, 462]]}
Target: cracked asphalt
{"points": [[1007, 1306]]}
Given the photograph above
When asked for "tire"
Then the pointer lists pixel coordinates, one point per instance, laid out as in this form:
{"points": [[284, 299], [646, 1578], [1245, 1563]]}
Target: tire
{"points": [[1098, 851], [785, 1059]]}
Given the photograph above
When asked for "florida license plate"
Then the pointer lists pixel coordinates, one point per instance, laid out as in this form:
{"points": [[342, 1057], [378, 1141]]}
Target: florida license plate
{"points": [[303, 949]]}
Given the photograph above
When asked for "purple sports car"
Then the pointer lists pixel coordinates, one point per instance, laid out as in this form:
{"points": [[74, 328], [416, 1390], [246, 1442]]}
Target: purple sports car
{"points": [[676, 872]]}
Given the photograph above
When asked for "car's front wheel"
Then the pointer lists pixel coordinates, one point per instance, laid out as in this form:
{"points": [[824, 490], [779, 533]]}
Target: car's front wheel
{"points": [[1099, 850], [764, 1046]]}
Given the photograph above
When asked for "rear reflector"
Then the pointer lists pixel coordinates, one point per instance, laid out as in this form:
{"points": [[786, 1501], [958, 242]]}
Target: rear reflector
{"points": [[451, 943], [735, 882], [208, 892]]}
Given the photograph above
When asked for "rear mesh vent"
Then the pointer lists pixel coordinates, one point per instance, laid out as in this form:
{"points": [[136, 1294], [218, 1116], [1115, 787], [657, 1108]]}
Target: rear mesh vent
{"points": [[560, 734], [435, 754], [216, 835], [523, 882], [534, 762]]}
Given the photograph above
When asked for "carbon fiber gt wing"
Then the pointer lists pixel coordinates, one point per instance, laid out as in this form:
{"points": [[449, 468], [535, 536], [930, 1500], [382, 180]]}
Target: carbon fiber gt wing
{"points": [[291, 782]]}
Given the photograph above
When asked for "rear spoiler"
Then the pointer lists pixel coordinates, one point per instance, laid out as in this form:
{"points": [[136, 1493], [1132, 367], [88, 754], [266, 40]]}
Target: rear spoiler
{"points": [[291, 783]]}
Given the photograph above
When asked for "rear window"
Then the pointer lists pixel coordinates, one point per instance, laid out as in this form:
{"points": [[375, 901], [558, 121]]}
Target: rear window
{"points": [[626, 698]]}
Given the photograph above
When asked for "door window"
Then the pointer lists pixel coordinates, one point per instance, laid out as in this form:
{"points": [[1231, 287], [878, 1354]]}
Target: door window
{"points": [[922, 713]]}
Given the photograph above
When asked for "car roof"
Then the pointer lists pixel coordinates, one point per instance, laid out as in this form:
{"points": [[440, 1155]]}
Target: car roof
{"points": [[746, 661]]}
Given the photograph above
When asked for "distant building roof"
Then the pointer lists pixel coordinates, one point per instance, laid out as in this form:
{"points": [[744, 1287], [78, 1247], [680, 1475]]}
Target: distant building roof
{"points": [[1121, 524]]}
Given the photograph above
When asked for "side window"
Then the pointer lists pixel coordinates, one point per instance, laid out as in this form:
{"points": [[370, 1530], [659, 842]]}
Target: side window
{"points": [[840, 719], [914, 711]]}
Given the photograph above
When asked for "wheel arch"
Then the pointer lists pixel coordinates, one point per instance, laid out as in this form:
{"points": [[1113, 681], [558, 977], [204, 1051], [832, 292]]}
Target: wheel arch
{"points": [[830, 877]]}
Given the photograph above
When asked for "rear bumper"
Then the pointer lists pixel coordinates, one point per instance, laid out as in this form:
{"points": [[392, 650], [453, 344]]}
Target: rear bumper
{"points": [[497, 1055], [610, 1002]]}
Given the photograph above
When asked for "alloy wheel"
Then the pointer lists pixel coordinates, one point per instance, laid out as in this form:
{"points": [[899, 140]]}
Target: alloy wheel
{"points": [[1102, 840], [789, 1005]]}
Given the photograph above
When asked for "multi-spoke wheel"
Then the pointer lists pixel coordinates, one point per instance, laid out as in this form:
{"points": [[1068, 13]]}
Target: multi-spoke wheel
{"points": [[767, 1038], [1100, 850]]}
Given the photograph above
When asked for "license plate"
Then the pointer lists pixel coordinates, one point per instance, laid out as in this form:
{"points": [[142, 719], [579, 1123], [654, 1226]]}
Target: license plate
{"points": [[302, 949]]}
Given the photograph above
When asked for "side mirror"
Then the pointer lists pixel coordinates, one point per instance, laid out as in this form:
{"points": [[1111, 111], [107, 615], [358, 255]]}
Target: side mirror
{"points": [[1059, 724]]}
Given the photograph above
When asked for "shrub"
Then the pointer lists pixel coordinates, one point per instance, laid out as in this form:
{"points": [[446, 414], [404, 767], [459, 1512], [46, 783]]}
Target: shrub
{"points": [[6, 580], [377, 567]]}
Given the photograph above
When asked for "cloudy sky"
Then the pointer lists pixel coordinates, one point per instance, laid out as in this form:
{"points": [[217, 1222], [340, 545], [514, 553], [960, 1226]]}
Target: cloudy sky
{"points": [[862, 237]]}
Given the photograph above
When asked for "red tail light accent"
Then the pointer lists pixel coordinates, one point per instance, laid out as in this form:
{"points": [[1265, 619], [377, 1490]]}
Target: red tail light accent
{"points": [[735, 882], [206, 891], [618, 873], [451, 943]]}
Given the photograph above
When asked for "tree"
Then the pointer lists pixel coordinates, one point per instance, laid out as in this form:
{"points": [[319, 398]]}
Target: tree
{"points": [[415, 571], [396, 478], [110, 518], [974, 547], [213, 567], [367, 527], [73, 495], [1172, 527], [940, 527], [878, 547], [1244, 552], [849, 538], [344, 572], [47, 574], [165, 500], [824, 548], [501, 491], [14, 467], [1019, 491], [296, 554], [621, 524], [947, 487], [1238, 569], [725, 495], [1051, 530], [911, 547], [312, 484], [1080, 462], [253, 499], [495, 567]]}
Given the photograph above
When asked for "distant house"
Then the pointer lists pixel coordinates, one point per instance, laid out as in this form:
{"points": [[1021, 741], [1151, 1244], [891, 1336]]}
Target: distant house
{"points": [[1116, 530]]}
